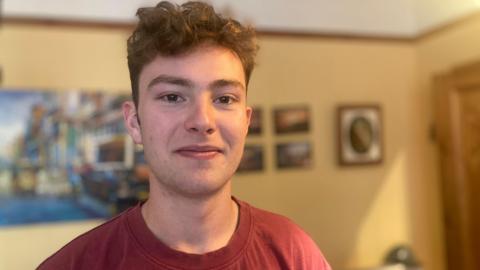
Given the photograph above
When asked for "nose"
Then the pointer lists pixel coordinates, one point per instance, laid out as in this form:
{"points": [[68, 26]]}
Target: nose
{"points": [[200, 117]]}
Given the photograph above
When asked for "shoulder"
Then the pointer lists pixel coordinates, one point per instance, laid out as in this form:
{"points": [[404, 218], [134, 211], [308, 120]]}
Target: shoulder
{"points": [[87, 246], [284, 237], [270, 224]]}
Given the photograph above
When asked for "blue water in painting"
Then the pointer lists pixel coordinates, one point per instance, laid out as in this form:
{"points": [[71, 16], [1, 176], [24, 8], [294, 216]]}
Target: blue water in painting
{"points": [[17, 211]]}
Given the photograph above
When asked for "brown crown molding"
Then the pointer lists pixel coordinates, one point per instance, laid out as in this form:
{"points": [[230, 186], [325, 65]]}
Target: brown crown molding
{"points": [[66, 23], [129, 26], [336, 36], [262, 33]]}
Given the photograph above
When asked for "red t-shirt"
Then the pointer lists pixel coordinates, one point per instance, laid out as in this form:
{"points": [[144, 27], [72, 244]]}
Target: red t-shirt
{"points": [[263, 240]]}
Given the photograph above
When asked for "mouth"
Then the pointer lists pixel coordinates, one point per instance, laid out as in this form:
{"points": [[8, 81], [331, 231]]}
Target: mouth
{"points": [[200, 152]]}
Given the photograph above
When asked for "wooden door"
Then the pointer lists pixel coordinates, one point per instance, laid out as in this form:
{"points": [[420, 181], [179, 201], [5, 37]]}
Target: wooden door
{"points": [[457, 113]]}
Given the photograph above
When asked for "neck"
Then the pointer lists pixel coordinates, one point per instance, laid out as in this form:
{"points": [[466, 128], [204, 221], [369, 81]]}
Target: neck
{"points": [[191, 225]]}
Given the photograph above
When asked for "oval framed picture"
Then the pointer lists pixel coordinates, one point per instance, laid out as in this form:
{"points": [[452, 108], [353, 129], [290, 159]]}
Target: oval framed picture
{"points": [[359, 134]]}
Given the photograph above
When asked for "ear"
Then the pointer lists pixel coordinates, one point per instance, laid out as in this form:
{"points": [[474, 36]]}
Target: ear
{"points": [[248, 112], [132, 123]]}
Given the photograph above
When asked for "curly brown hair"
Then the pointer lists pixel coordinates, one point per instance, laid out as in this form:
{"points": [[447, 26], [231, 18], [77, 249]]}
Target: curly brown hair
{"points": [[169, 29]]}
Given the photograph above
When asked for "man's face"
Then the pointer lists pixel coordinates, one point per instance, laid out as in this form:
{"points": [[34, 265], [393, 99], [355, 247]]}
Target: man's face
{"points": [[193, 119]]}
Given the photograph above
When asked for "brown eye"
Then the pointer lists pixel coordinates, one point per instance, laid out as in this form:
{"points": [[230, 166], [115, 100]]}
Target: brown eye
{"points": [[172, 98], [225, 100]]}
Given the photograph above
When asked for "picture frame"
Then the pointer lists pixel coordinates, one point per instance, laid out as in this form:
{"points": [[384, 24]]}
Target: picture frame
{"points": [[360, 136], [65, 155], [294, 155], [252, 159], [256, 122], [292, 119]]}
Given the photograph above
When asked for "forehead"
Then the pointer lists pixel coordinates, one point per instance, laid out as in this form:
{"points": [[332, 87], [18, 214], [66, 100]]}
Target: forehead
{"points": [[202, 64]]}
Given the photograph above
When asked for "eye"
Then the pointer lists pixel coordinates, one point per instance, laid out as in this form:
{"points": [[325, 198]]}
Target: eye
{"points": [[172, 98], [225, 100]]}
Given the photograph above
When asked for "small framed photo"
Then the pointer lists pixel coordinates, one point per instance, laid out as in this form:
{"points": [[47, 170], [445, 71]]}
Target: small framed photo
{"points": [[291, 119], [360, 134], [294, 155], [256, 124], [252, 159]]}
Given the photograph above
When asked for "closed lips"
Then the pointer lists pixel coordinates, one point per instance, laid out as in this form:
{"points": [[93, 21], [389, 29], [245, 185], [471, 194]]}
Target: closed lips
{"points": [[199, 149], [199, 152]]}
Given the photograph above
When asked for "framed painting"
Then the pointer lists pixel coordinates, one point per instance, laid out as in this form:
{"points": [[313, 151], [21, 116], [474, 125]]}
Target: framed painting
{"points": [[65, 156], [360, 139], [294, 155], [256, 125], [291, 119], [252, 159]]}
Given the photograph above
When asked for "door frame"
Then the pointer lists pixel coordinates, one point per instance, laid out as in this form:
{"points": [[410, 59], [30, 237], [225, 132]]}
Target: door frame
{"points": [[460, 235]]}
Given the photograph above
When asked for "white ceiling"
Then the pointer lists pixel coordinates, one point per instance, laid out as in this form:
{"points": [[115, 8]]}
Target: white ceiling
{"points": [[395, 18]]}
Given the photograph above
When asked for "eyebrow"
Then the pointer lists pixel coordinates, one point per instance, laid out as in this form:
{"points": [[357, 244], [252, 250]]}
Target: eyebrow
{"points": [[226, 83], [168, 79]]}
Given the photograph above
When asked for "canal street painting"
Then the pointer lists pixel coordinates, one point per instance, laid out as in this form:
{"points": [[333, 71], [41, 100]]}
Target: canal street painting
{"points": [[64, 156]]}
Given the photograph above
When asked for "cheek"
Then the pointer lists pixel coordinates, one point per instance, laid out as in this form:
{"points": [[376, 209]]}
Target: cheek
{"points": [[235, 131], [154, 131], [155, 144]]}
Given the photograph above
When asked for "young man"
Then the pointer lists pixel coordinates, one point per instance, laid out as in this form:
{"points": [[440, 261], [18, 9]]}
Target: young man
{"points": [[189, 69]]}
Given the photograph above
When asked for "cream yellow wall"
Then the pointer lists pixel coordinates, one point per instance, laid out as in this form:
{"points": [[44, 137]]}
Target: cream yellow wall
{"points": [[64, 58], [355, 214], [24, 247]]}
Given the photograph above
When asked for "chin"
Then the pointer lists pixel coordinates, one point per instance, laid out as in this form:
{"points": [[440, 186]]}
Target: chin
{"points": [[200, 185], [199, 192]]}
